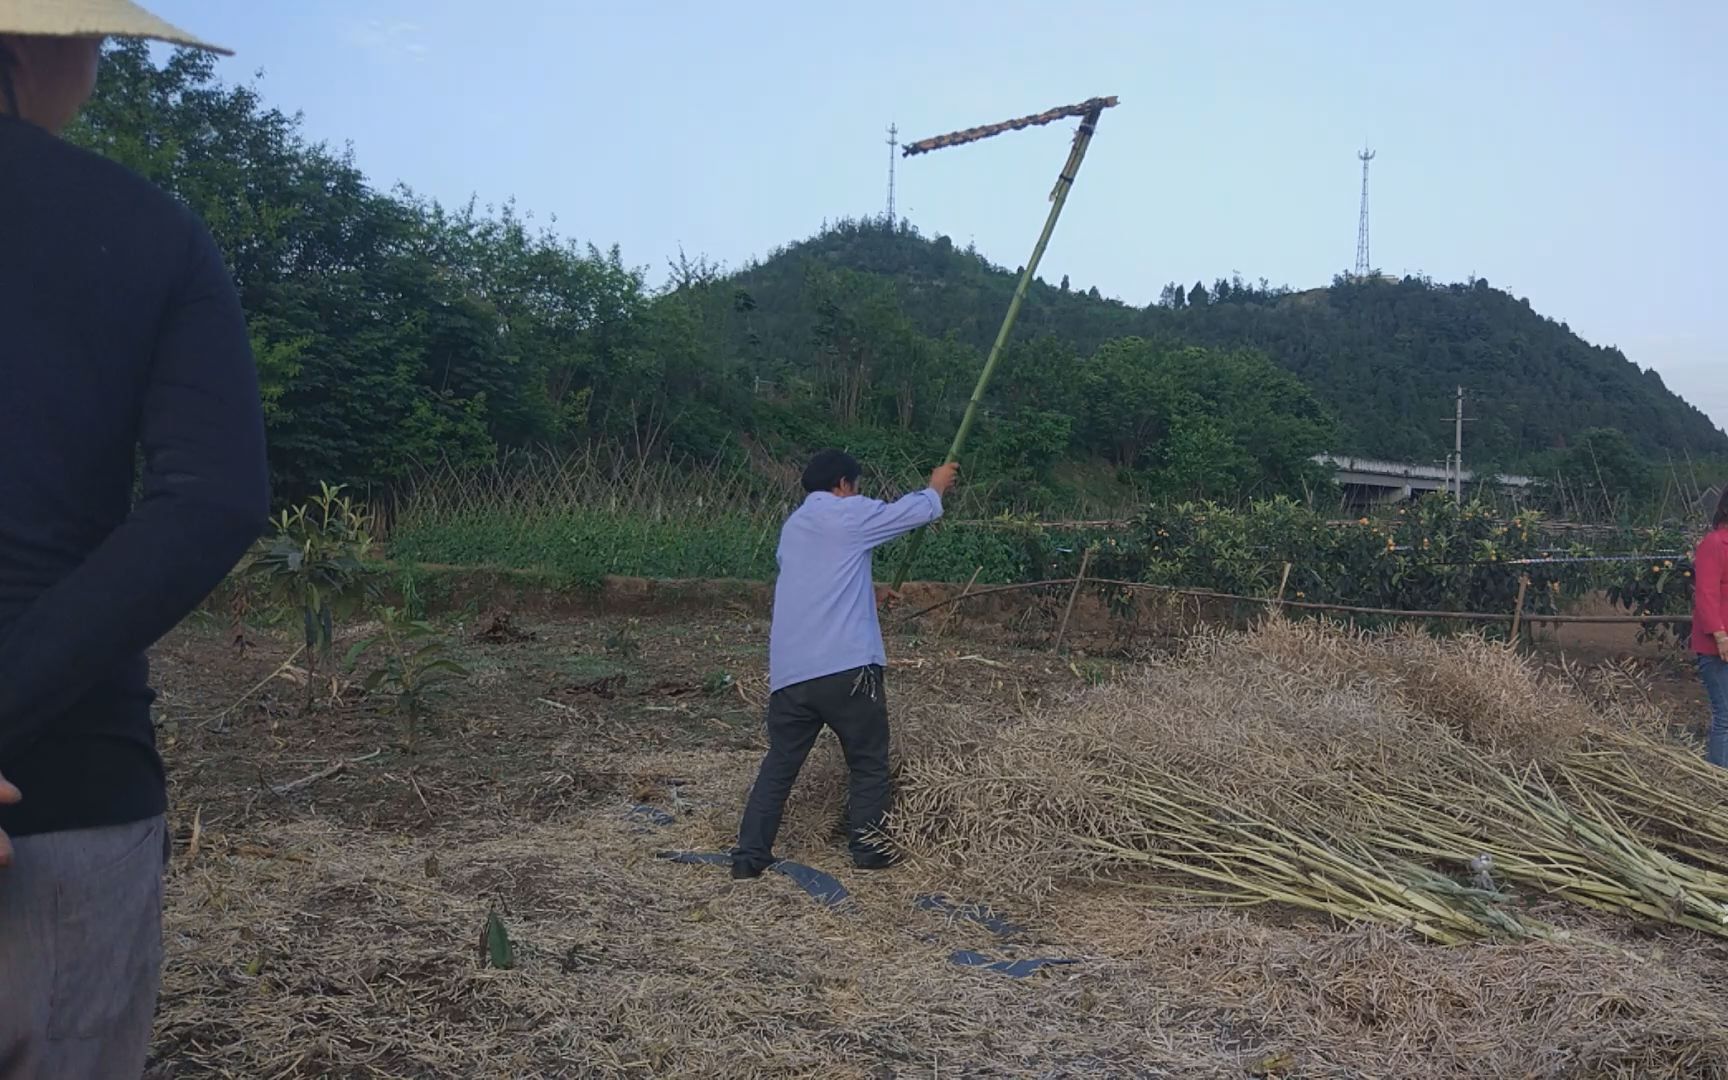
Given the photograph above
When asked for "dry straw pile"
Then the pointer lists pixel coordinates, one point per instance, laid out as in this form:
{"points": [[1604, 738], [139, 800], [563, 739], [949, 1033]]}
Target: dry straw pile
{"points": [[1445, 787]]}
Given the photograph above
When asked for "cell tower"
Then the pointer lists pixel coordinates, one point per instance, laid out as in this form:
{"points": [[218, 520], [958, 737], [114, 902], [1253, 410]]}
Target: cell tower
{"points": [[893, 145], [1362, 266]]}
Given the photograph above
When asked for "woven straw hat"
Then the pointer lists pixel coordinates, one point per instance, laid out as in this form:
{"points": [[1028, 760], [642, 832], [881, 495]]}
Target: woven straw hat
{"points": [[93, 18]]}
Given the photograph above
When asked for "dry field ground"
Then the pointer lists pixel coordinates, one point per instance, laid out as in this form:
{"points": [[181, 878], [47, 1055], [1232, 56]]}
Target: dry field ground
{"points": [[328, 922]]}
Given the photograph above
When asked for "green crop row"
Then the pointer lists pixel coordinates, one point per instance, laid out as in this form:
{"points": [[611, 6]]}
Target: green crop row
{"points": [[1434, 555]]}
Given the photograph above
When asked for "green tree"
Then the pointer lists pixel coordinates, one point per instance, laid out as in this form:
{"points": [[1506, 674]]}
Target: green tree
{"points": [[1601, 473], [389, 331], [1201, 420]]}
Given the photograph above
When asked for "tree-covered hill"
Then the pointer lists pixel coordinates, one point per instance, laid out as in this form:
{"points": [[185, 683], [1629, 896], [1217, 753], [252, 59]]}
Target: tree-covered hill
{"points": [[1384, 355], [393, 333]]}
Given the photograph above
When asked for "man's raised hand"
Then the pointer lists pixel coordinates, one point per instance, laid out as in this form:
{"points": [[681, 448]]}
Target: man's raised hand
{"points": [[943, 478]]}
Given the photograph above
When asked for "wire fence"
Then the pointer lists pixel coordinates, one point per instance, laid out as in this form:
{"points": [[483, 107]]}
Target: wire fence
{"points": [[1516, 617]]}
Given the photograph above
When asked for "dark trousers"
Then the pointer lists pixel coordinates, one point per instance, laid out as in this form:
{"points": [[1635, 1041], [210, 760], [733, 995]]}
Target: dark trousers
{"points": [[855, 705]]}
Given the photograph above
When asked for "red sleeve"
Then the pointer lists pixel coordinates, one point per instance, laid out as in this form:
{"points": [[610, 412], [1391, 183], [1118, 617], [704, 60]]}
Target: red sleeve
{"points": [[1709, 571]]}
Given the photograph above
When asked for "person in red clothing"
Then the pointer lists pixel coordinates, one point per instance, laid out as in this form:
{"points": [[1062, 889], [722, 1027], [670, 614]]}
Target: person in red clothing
{"points": [[1710, 625]]}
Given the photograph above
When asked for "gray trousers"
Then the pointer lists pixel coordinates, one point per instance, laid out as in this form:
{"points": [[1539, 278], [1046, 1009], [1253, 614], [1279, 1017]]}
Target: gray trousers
{"points": [[81, 952], [853, 703]]}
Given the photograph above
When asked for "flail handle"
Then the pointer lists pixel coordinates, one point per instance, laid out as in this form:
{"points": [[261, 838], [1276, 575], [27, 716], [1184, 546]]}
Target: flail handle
{"points": [[1058, 198]]}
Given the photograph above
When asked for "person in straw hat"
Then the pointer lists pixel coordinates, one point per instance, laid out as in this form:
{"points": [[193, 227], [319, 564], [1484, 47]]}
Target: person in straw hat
{"points": [[120, 332]]}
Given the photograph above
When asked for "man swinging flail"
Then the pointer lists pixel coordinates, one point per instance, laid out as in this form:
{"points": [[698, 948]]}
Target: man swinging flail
{"points": [[825, 653]]}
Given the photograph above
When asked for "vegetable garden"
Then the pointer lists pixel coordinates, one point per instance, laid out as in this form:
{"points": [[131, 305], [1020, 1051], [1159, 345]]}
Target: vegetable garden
{"points": [[584, 524]]}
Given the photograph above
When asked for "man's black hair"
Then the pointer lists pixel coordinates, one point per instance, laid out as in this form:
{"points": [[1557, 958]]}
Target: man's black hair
{"points": [[1720, 518], [828, 468]]}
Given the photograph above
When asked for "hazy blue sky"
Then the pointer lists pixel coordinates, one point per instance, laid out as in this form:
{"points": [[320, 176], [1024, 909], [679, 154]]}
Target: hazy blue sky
{"points": [[1572, 152]]}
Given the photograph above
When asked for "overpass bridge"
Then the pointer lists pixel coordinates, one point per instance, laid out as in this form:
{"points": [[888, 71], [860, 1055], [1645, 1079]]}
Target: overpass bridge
{"points": [[1367, 481]]}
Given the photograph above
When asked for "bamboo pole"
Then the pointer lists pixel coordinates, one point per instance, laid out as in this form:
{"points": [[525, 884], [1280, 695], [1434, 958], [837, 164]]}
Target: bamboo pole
{"points": [[1058, 199], [1518, 608]]}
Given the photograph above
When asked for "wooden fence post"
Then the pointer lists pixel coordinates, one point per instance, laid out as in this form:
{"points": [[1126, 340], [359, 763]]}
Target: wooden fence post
{"points": [[955, 606], [1073, 595], [1284, 583], [1518, 609]]}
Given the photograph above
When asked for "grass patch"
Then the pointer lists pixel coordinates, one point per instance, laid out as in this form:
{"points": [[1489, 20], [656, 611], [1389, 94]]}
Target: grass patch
{"points": [[582, 546], [583, 519]]}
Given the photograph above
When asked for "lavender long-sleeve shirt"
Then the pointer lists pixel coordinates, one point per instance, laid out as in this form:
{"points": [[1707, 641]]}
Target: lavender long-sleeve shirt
{"points": [[824, 600]]}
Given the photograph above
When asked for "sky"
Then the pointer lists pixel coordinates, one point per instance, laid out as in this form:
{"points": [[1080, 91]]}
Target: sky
{"points": [[1575, 153]]}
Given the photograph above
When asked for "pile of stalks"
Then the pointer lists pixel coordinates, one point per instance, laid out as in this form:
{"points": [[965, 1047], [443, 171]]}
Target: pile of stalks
{"points": [[1448, 787]]}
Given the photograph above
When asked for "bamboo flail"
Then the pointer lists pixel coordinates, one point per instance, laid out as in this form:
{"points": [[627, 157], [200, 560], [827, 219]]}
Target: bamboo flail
{"points": [[1058, 198], [1088, 108]]}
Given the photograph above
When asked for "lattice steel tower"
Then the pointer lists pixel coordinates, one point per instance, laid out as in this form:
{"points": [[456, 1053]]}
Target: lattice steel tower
{"points": [[1362, 266], [893, 146]]}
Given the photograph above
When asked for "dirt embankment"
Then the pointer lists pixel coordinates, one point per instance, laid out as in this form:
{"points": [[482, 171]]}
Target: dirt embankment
{"points": [[1100, 617]]}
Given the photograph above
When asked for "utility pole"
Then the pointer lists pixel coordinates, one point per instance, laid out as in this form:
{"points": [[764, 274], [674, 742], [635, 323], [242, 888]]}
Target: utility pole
{"points": [[1458, 419]]}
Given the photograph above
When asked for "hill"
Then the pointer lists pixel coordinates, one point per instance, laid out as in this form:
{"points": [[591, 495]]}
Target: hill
{"points": [[1384, 355], [393, 333]]}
